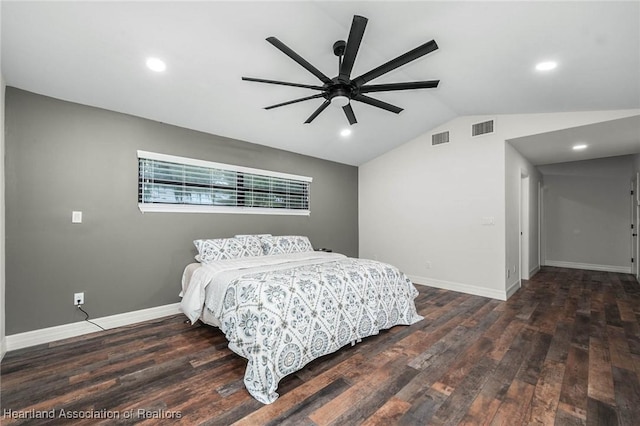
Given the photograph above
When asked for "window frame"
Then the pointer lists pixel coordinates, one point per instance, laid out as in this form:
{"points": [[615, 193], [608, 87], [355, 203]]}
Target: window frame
{"points": [[199, 208]]}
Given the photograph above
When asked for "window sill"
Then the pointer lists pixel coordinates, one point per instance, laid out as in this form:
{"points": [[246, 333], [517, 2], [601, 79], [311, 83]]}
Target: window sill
{"points": [[181, 208]]}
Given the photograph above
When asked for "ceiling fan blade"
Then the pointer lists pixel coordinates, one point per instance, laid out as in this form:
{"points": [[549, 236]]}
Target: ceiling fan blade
{"points": [[282, 83], [319, 95], [377, 103], [401, 60], [348, 111], [318, 111], [400, 86], [299, 59], [356, 33]]}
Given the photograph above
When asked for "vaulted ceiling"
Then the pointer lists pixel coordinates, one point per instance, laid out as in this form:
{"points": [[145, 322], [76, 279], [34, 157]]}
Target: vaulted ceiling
{"points": [[94, 53]]}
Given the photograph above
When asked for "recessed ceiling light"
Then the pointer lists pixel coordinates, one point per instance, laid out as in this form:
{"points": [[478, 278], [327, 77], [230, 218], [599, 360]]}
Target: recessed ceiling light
{"points": [[579, 147], [346, 132], [546, 66], [155, 64]]}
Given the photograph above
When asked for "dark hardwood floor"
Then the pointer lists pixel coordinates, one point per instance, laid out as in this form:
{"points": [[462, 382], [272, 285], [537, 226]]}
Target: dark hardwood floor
{"points": [[564, 350]]}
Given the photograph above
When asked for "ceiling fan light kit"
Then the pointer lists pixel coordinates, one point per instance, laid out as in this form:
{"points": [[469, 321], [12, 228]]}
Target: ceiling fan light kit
{"points": [[340, 101], [341, 90]]}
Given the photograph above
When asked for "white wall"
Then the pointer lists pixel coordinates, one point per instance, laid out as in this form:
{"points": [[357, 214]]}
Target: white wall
{"points": [[426, 208], [423, 205], [587, 214]]}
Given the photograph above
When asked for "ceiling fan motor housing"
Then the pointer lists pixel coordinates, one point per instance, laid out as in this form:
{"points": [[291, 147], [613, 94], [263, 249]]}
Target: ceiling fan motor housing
{"points": [[339, 89]]}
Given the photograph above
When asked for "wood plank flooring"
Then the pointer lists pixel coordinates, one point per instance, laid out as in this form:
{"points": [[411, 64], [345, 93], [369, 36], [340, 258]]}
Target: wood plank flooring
{"points": [[564, 350]]}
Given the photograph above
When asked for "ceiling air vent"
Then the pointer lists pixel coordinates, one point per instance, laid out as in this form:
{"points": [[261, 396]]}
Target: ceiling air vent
{"points": [[482, 128], [440, 138]]}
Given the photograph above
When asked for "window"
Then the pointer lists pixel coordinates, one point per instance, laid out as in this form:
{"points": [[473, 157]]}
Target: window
{"points": [[176, 184]]}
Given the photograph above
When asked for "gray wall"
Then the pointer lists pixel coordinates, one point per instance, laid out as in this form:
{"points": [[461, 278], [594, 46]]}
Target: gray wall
{"points": [[587, 211], [62, 156]]}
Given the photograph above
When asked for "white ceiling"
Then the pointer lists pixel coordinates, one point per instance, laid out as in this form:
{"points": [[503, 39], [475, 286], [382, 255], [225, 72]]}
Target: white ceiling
{"points": [[605, 139], [94, 53]]}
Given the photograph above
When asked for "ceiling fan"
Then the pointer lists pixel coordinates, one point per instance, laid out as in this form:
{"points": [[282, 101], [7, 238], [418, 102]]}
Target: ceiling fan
{"points": [[342, 89]]}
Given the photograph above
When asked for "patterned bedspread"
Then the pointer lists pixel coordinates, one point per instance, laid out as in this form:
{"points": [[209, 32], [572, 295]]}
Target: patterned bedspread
{"points": [[282, 317]]}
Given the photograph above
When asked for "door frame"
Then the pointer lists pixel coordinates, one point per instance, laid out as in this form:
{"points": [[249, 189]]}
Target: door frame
{"points": [[524, 225], [635, 224]]}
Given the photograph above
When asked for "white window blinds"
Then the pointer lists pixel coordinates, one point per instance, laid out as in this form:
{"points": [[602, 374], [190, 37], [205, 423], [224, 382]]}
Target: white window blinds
{"points": [[173, 184]]}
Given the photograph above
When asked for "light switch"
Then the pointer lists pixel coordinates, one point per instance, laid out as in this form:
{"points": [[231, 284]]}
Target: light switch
{"points": [[76, 217]]}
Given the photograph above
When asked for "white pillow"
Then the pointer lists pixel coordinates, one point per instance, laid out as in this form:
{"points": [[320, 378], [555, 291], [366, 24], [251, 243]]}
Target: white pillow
{"points": [[286, 244], [228, 248]]}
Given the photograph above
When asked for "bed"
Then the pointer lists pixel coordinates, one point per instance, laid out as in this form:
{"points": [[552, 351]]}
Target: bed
{"points": [[281, 304]]}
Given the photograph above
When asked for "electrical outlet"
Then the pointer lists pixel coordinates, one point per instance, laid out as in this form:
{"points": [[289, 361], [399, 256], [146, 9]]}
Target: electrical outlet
{"points": [[428, 265], [78, 299]]}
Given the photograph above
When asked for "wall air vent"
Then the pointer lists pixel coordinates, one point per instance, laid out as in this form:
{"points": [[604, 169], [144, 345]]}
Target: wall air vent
{"points": [[482, 128], [440, 138]]}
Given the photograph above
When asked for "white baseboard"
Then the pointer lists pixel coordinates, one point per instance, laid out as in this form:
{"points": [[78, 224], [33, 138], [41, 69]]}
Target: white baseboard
{"points": [[51, 334], [511, 290], [534, 271], [589, 266], [462, 288]]}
